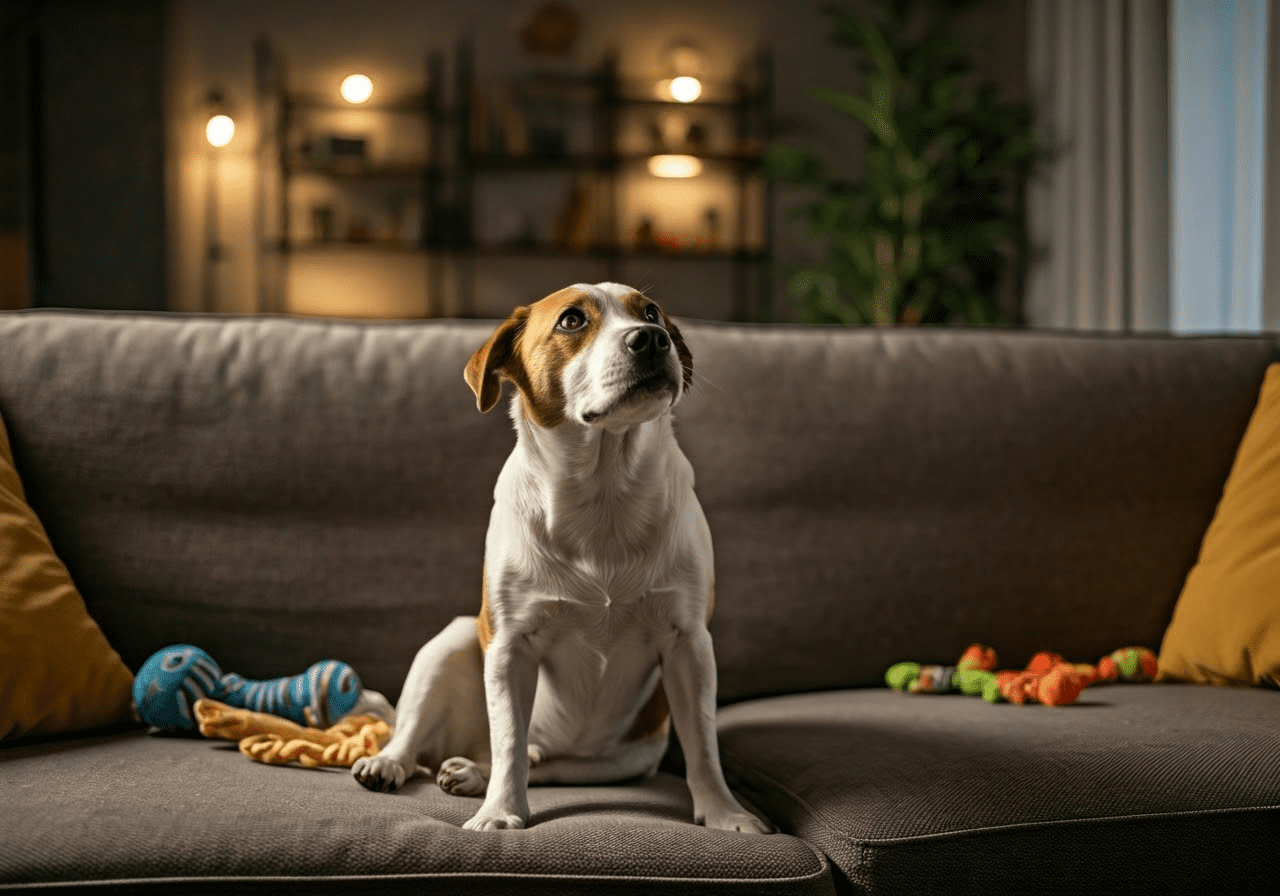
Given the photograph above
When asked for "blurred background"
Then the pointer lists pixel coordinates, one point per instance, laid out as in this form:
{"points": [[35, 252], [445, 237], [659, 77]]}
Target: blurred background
{"points": [[1088, 164]]}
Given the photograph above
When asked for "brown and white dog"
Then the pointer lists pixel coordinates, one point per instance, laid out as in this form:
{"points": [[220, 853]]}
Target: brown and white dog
{"points": [[597, 583]]}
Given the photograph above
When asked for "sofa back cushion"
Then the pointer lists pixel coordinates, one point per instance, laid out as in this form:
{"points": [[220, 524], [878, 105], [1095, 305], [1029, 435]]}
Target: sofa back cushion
{"points": [[283, 491], [276, 492], [887, 495]]}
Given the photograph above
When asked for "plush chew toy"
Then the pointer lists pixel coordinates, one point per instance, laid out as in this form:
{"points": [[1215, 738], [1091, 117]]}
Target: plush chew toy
{"points": [[173, 679], [1131, 664], [972, 675], [276, 741], [1048, 679]]}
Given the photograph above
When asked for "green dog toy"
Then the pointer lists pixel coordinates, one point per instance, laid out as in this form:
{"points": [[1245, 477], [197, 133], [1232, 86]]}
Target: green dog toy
{"points": [[972, 675]]}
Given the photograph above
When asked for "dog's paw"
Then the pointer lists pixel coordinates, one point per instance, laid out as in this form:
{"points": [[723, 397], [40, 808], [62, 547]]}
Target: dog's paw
{"points": [[381, 773], [485, 820], [460, 777], [732, 818]]}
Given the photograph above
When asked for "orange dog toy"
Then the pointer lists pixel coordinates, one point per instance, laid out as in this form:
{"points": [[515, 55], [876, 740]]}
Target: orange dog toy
{"points": [[1048, 679]]}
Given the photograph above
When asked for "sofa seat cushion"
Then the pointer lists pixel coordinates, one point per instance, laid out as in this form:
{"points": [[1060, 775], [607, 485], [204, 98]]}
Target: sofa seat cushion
{"points": [[185, 814], [1173, 788]]}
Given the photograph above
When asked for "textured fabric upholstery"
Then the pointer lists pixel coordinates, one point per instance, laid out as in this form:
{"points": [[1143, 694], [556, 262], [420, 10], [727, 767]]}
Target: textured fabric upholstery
{"points": [[273, 491], [131, 807], [278, 491], [1168, 788], [885, 495]]}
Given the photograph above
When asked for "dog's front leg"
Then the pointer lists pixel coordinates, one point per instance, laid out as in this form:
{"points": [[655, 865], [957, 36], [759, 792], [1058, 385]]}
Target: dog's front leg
{"points": [[510, 681], [689, 676]]}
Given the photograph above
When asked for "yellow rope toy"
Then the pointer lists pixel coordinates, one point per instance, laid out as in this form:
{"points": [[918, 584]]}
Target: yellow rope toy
{"points": [[274, 740]]}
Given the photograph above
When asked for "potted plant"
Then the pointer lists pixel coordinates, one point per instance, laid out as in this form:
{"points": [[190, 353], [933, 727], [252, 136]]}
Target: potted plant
{"points": [[936, 218]]}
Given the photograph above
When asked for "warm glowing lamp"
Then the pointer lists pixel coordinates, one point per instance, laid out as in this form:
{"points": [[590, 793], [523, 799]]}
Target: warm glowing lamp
{"points": [[669, 165], [356, 89], [685, 89], [219, 130]]}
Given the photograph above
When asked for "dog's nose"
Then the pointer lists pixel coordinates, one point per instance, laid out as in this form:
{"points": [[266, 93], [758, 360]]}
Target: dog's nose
{"points": [[647, 341]]}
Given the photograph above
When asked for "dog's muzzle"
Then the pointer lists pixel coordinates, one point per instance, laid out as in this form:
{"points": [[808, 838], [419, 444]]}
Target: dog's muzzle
{"points": [[649, 344]]}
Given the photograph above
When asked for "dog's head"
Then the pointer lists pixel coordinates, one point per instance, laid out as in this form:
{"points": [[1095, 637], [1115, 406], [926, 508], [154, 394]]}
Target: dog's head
{"points": [[591, 355]]}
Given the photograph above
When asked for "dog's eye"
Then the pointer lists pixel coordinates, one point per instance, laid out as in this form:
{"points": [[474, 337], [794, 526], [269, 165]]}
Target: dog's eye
{"points": [[572, 320], [652, 314]]}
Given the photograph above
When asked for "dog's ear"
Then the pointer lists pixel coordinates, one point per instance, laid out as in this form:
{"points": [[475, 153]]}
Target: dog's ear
{"points": [[682, 350], [492, 360]]}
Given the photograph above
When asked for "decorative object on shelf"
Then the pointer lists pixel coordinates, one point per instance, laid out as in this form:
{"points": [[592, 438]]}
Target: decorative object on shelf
{"points": [[657, 137], [336, 149], [695, 137], [646, 238], [574, 224], [358, 231], [548, 129], [322, 223], [928, 231], [711, 229], [356, 89], [552, 31]]}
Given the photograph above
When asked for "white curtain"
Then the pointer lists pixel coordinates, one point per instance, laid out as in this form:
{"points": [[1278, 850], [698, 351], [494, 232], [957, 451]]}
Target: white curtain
{"points": [[1099, 211]]}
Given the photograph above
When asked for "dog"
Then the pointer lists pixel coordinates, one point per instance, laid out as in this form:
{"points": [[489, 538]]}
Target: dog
{"points": [[598, 583]]}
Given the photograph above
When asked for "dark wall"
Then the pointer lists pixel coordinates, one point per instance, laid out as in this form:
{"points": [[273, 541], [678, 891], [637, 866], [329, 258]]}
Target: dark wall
{"points": [[97, 167]]}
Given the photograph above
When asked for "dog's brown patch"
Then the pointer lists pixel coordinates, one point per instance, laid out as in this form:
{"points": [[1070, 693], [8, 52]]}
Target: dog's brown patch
{"points": [[529, 350], [484, 622], [654, 717]]}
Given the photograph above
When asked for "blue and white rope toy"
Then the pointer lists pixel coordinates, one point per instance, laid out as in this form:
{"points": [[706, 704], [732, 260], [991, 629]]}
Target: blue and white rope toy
{"points": [[173, 679]]}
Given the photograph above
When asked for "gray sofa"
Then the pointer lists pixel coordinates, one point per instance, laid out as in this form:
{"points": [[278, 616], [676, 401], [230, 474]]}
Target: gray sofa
{"points": [[283, 491]]}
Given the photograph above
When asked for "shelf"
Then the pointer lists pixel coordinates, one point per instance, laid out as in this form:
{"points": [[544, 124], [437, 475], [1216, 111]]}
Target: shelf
{"points": [[603, 163], [410, 105], [515, 164], [616, 252], [717, 103], [462, 127], [387, 246], [353, 170]]}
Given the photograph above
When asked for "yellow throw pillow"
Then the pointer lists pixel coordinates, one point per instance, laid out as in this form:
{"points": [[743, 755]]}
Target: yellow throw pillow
{"points": [[57, 671], [1226, 626]]}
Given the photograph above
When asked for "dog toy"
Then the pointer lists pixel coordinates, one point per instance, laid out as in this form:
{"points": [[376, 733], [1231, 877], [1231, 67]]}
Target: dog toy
{"points": [[173, 679], [274, 740], [1130, 664], [1048, 679], [970, 675]]}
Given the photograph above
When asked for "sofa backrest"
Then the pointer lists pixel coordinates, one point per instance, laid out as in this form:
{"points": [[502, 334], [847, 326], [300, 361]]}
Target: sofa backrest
{"points": [[275, 491], [280, 491], [880, 495]]}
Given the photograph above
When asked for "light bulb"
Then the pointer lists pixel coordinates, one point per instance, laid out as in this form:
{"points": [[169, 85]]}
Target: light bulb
{"points": [[356, 89], [220, 130], [675, 166], [685, 89]]}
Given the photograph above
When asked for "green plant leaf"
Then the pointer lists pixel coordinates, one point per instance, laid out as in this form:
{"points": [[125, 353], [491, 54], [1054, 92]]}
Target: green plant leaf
{"points": [[859, 108], [794, 165]]}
